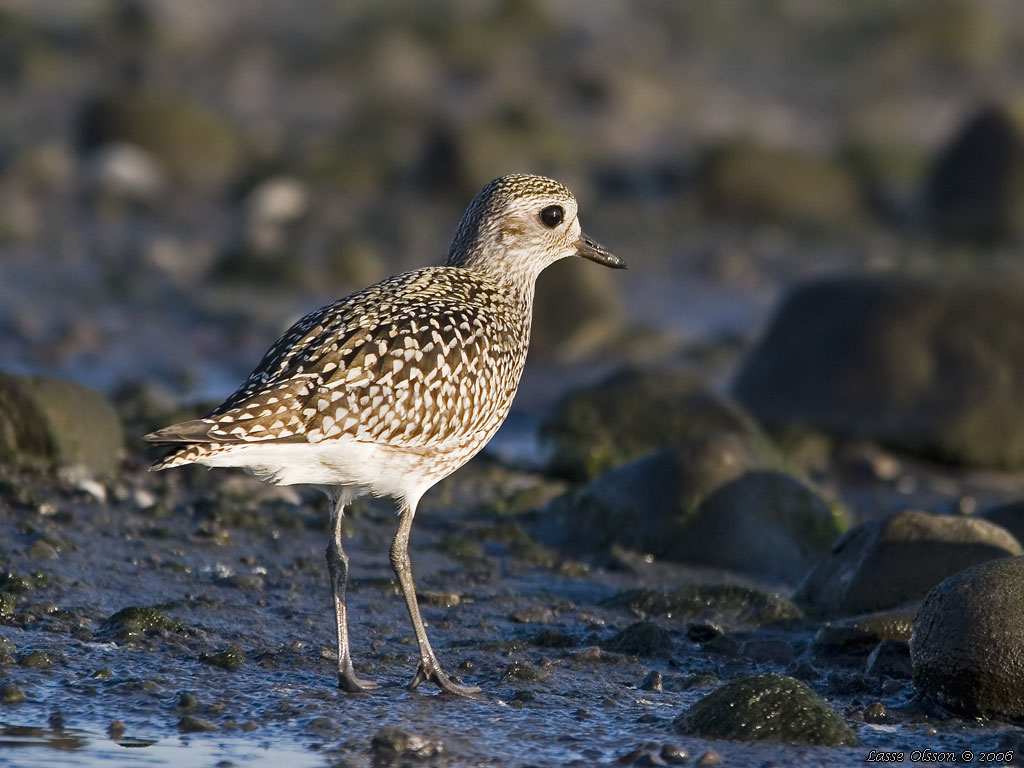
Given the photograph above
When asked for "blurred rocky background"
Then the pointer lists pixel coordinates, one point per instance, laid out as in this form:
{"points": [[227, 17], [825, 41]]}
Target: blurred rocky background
{"points": [[179, 180]]}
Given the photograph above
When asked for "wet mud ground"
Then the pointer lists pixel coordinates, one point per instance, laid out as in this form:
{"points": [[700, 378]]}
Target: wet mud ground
{"points": [[235, 665]]}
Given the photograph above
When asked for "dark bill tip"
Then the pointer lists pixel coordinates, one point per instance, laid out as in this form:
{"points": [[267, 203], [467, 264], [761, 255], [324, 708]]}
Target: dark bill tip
{"points": [[591, 249]]}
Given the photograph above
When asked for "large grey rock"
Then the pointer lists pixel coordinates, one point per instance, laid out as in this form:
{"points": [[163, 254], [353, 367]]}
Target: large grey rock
{"points": [[894, 560], [51, 423], [967, 648], [716, 502], [766, 708], [923, 365], [631, 414]]}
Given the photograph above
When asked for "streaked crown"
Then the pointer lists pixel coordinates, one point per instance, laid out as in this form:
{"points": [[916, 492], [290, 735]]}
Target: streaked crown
{"points": [[515, 227]]}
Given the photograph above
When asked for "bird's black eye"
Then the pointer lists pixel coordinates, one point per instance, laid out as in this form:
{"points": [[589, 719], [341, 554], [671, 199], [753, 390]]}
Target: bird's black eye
{"points": [[552, 216]]}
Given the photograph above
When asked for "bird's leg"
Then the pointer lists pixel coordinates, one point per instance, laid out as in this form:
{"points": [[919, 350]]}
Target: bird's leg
{"points": [[429, 669], [337, 567]]}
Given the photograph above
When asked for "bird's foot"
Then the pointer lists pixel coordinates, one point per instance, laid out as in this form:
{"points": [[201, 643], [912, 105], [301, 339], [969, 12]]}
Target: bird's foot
{"points": [[349, 683], [429, 671]]}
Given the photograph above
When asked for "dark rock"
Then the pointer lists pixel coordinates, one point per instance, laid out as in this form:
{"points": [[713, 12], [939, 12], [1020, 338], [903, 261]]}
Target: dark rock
{"points": [[703, 632], [524, 672], [644, 638], [744, 606], [11, 693], [747, 179], [135, 621], [232, 658], [885, 625], [766, 708], [37, 660], [723, 645], [554, 638], [851, 641], [708, 502], [890, 658], [885, 563], [633, 413], [875, 712], [673, 754], [49, 423], [760, 650], [392, 742], [652, 681], [968, 644], [190, 724], [927, 366], [976, 190], [839, 644]]}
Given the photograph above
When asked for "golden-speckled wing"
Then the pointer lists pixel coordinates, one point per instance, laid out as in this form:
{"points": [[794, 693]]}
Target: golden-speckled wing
{"points": [[424, 357]]}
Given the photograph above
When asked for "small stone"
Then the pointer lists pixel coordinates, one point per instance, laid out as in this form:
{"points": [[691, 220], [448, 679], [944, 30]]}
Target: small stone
{"points": [[876, 713], [36, 660], [703, 632], [442, 599], [143, 499], [11, 693], [536, 615], [673, 754], [391, 741], [230, 659], [123, 170], [136, 621], [644, 638], [652, 682], [709, 758], [187, 702], [323, 726], [553, 638], [524, 672], [190, 724], [116, 730], [277, 201], [40, 550]]}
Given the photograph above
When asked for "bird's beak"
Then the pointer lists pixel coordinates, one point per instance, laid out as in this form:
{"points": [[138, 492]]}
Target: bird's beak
{"points": [[590, 249]]}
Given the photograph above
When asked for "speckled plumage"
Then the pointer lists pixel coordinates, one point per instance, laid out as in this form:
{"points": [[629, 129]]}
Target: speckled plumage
{"points": [[393, 388], [427, 358]]}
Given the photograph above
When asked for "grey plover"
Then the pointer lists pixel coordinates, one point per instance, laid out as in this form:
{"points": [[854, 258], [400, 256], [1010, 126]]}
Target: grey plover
{"points": [[395, 387]]}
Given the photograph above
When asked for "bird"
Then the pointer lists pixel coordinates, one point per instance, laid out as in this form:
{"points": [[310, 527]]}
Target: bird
{"points": [[393, 388]]}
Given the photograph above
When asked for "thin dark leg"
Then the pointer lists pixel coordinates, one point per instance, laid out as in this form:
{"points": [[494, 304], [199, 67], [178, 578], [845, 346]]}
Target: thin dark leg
{"points": [[337, 567], [429, 669]]}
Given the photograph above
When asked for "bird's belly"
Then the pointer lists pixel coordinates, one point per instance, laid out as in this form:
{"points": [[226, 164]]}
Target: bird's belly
{"points": [[382, 470]]}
